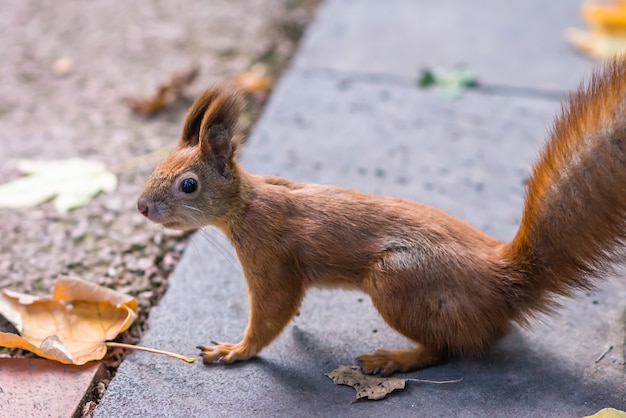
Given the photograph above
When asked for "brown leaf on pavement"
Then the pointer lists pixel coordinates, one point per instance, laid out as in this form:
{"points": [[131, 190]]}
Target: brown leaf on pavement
{"points": [[366, 386], [372, 387], [72, 325]]}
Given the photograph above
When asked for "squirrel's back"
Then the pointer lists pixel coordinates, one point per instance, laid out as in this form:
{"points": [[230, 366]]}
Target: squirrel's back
{"points": [[574, 219]]}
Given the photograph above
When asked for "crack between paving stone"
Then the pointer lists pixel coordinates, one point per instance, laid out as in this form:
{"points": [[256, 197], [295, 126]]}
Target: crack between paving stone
{"points": [[346, 78]]}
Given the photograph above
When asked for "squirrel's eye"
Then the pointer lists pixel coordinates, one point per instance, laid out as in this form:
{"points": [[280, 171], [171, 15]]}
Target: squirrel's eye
{"points": [[188, 185]]}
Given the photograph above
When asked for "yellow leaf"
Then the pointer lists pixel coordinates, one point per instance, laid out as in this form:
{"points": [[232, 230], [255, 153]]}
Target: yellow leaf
{"points": [[606, 38], [608, 413], [606, 17], [72, 325]]}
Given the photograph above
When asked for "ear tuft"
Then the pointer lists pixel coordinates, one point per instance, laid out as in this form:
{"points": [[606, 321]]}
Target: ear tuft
{"points": [[212, 124], [224, 109], [219, 129], [217, 105]]}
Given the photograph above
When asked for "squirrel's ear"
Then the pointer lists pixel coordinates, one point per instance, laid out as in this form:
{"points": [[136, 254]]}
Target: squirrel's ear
{"points": [[219, 128], [191, 129]]}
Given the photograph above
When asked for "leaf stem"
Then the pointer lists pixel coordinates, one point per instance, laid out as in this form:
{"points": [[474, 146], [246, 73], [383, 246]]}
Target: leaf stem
{"points": [[436, 382], [189, 360]]}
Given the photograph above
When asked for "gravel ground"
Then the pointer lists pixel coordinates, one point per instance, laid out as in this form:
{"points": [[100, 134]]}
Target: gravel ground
{"points": [[67, 66]]}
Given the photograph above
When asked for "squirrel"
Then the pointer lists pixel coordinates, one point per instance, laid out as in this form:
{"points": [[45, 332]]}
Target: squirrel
{"points": [[448, 287]]}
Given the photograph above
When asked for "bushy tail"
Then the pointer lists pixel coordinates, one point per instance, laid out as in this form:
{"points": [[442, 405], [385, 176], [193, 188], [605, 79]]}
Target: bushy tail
{"points": [[575, 213]]}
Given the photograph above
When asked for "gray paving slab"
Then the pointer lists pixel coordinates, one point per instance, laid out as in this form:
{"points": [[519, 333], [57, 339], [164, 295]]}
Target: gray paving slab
{"points": [[550, 371], [468, 157], [514, 44]]}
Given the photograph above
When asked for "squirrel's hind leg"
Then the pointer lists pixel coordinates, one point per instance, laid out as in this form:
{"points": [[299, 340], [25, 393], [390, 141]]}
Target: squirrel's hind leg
{"points": [[391, 287], [387, 362]]}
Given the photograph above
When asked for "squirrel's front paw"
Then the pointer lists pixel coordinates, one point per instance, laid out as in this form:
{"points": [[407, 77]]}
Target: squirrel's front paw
{"points": [[225, 353]]}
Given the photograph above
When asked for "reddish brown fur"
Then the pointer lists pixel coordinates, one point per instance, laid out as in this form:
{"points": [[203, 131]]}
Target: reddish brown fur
{"points": [[440, 282]]}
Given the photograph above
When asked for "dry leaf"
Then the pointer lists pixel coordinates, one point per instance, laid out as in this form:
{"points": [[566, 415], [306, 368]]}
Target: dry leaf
{"points": [[366, 386], [372, 387], [253, 80], [72, 325], [72, 183], [167, 92]]}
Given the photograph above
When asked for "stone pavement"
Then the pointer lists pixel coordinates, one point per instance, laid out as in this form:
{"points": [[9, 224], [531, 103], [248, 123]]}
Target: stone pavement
{"points": [[27, 385], [348, 113]]}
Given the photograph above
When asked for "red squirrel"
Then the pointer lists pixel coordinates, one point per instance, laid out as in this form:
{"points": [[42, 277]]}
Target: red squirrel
{"points": [[445, 285]]}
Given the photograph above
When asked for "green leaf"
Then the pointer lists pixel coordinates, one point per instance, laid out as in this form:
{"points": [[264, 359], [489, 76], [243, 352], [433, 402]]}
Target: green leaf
{"points": [[427, 78], [72, 183], [451, 83], [464, 77]]}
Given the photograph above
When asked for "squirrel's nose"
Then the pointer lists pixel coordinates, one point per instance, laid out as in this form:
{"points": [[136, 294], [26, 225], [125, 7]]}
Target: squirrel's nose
{"points": [[142, 206]]}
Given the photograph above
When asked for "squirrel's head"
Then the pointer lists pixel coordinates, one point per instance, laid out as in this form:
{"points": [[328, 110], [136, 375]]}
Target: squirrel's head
{"points": [[198, 183]]}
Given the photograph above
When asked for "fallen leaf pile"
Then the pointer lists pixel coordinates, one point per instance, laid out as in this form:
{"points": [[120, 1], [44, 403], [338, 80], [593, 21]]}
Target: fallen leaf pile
{"points": [[372, 387], [167, 92], [451, 83], [70, 326], [606, 37], [72, 183]]}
